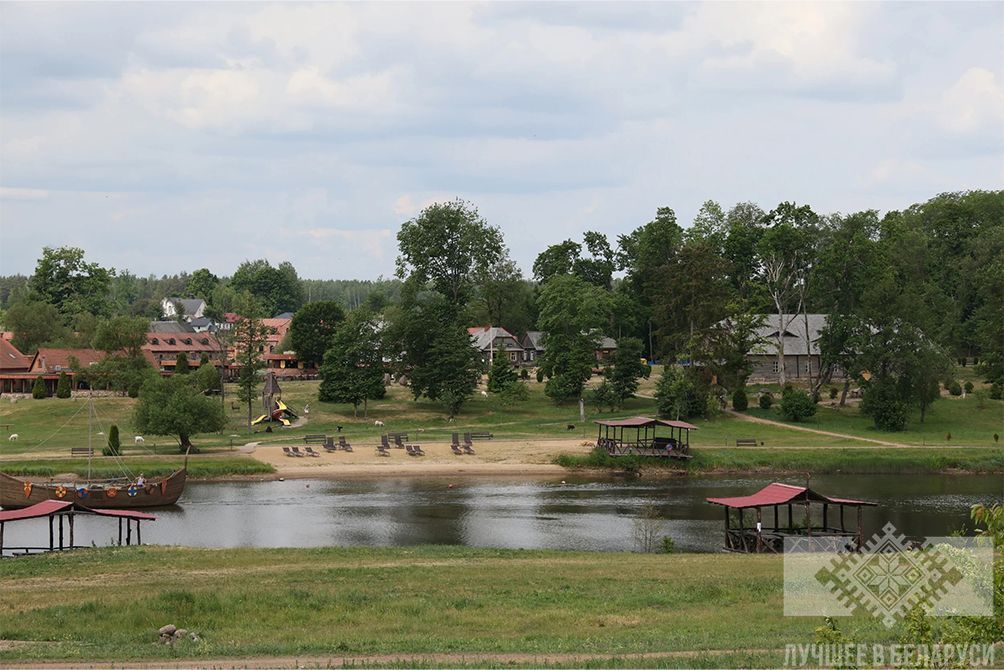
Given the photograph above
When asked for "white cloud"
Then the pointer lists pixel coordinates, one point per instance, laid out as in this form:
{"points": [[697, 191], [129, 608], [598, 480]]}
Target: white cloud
{"points": [[10, 193], [974, 104]]}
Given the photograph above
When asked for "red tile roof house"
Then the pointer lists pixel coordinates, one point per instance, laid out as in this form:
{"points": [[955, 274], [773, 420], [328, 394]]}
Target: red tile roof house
{"points": [[162, 349], [47, 363]]}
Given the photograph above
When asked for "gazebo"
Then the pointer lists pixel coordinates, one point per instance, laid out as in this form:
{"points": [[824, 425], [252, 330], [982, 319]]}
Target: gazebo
{"points": [[62, 509], [637, 436], [761, 538]]}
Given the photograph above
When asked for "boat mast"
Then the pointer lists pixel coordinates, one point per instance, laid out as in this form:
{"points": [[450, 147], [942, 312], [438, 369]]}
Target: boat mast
{"points": [[90, 420]]}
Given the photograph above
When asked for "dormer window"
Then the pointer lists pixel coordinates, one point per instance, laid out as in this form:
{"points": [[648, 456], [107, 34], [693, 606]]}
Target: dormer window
{"points": [[171, 341], [155, 341], [188, 340]]}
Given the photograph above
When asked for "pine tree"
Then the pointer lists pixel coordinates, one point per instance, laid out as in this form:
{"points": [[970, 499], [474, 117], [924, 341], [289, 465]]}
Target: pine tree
{"points": [[114, 444], [38, 391], [181, 364], [501, 375], [63, 386]]}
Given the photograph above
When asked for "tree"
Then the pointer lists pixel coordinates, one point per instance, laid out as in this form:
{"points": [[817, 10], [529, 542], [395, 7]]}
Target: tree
{"points": [[114, 443], [566, 259], [124, 366], [63, 279], [444, 246], [503, 298], [353, 364], [501, 375], [248, 337], [627, 369], [63, 386], [177, 406], [181, 364], [34, 324], [38, 389], [277, 289], [201, 284], [312, 329], [796, 405], [556, 261], [680, 395]]}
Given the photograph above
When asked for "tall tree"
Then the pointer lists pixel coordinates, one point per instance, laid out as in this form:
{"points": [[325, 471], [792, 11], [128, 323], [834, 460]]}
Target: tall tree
{"points": [[201, 284], [312, 328], [627, 369], [353, 364], [248, 338], [64, 279], [177, 406], [277, 289], [445, 246], [34, 324], [124, 367]]}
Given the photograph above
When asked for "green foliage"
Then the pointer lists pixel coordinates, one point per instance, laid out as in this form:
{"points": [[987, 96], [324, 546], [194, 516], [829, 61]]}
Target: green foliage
{"points": [[38, 389], [276, 289], [177, 406], [627, 369], [201, 284], [603, 396], [248, 338], [996, 391], [514, 393], [63, 386], [968, 386], [740, 401], [208, 378], [63, 279], [181, 363], [765, 401], [796, 405], [501, 374], [114, 447], [680, 396], [34, 324], [955, 389], [524, 374], [353, 365], [833, 392], [312, 329], [668, 545], [882, 402]]}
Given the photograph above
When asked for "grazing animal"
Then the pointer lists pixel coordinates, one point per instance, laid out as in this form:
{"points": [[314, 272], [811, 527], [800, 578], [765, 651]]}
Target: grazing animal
{"points": [[484, 394], [306, 408], [339, 428], [13, 437], [570, 426], [378, 422], [138, 439]]}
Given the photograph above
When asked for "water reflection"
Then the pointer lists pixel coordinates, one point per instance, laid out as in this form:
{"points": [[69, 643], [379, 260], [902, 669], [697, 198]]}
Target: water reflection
{"points": [[582, 514]]}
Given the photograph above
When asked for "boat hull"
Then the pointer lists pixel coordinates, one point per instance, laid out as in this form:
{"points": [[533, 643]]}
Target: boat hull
{"points": [[15, 493]]}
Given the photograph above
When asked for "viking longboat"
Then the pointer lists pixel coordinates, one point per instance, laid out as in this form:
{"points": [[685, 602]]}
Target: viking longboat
{"points": [[108, 494]]}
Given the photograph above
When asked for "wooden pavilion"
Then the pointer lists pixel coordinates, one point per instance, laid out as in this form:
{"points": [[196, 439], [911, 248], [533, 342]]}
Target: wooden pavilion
{"points": [[637, 436], [60, 510], [760, 537]]}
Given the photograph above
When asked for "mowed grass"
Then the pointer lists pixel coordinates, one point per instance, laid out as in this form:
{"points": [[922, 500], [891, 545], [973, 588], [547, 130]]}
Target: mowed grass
{"points": [[100, 468], [108, 604]]}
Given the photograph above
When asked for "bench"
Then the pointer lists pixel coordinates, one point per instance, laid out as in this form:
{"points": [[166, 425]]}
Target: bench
{"points": [[394, 436], [481, 436], [315, 439], [81, 451], [746, 442]]}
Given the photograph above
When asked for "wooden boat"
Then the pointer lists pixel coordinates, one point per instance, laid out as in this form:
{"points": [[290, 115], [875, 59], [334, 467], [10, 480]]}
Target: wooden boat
{"points": [[111, 494]]}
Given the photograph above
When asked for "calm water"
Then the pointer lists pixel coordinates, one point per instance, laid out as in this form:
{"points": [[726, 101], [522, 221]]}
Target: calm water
{"points": [[542, 513]]}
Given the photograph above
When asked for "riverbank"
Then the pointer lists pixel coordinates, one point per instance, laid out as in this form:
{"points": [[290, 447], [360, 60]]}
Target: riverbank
{"points": [[402, 605]]}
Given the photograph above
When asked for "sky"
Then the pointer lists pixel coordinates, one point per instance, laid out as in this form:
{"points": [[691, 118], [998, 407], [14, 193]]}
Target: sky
{"points": [[167, 137]]}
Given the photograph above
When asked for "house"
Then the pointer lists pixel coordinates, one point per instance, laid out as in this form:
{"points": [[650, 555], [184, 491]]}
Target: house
{"points": [[801, 353], [533, 346], [491, 341], [49, 362], [286, 365], [277, 329], [170, 327], [14, 368], [189, 308], [605, 348], [162, 349]]}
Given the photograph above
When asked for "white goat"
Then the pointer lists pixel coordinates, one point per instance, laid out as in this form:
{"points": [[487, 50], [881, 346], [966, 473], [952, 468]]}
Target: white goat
{"points": [[378, 422], [13, 437], [138, 439], [484, 394]]}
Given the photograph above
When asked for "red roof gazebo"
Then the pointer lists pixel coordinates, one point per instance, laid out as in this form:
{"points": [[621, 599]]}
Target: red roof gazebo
{"points": [[618, 438], [64, 509], [759, 539]]}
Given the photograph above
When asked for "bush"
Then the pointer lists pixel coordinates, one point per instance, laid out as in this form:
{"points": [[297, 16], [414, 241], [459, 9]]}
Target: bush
{"points": [[647, 372], [524, 374], [969, 387], [884, 406], [766, 400], [679, 396], [514, 393], [668, 545], [540, 375], [996, 391], [114, 447], [501, 374], [955, 389], [796, 405], [63, 386], [133, 391], [739, 400], [603, 396], [38, 390], [833, 393]]}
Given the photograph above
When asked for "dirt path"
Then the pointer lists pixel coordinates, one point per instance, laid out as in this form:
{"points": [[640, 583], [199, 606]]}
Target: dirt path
{"points": [[788, 426], [442, 660]]}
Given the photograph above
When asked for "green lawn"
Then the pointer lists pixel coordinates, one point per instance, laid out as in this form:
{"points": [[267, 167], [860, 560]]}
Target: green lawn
{"points": [[108, 604], [198, 466]]}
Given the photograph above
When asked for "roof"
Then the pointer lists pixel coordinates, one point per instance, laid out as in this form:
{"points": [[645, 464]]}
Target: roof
{"points": [[606, 343], [183, 342], [645, 422], [55, 360], [794, 334], [50, 507], [11, 359], [169, 327], [781, 494], [534, 339], [485, 336], [189, 305], [285, 315]]}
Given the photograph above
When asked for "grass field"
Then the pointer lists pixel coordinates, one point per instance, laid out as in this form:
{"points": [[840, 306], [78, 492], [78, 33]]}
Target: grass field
{"points": [[216, 466], [109, 603]]}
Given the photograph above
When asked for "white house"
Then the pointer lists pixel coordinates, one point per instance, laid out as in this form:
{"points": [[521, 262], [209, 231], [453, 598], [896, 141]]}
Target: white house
{"points": [[190, 308]]}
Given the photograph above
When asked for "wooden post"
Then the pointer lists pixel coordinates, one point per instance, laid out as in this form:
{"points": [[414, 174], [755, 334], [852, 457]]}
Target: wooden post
{"points": [[790, 517], [861, 536], [775, 519], [759, 537], [120, 531], [742, 530], [843, 528], [50, 533], [728, 541], [808, 519], [139, 538], [71, 529], [60, 532], [825, 513], [1, 539], [128, 533]]}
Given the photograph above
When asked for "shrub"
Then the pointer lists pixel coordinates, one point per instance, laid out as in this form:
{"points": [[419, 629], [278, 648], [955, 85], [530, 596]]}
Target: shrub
{"points": [[114, 447], [501, 374], [885, 407], [38, 390], [668, 545], [647, 372], [679, 397], [969, 387], [514, 393], [540, 375], [739, 400], [796, 405], [955, 389], [833, 393], [766, 400], [133, 391], [63, 386], [996, 391], [603, 396], [524, 374]]}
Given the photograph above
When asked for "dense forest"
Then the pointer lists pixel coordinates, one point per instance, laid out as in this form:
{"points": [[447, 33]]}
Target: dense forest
{"points": [[908, 293]]}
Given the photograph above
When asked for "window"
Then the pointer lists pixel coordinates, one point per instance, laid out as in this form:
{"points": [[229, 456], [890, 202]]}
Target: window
{"points": [[774, 367], [808, 367]]}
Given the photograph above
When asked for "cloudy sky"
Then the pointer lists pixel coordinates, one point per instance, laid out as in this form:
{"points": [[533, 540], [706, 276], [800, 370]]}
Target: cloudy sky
{"points": [[168, 137]]}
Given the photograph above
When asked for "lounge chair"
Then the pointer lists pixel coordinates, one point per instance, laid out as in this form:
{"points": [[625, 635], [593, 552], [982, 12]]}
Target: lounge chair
{"points": [[410, 450], [468, 444], [329, 444], [310, 452], [384, 442], [456, 449], [398, 442], [417, 450], [343, 443], [296, 451], [468, 449], [286, 451], [383, 450]]}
